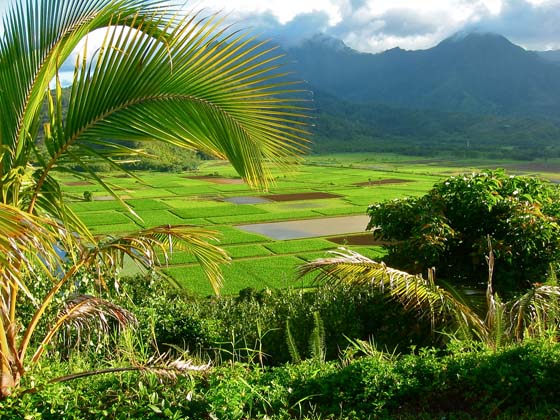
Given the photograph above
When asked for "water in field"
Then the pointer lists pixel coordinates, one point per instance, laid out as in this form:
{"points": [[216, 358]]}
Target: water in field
{"points": [[246, 199], [309, 228]]}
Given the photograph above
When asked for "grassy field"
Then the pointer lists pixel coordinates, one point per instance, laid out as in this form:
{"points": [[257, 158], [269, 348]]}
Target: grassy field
{"points": [[258, 261]]}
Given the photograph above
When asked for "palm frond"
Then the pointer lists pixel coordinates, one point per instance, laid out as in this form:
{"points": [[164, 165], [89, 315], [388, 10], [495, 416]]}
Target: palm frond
{"points": [[412, 291], [27, 247], [537, 310], [192, 86], [85, 313], [37, 38], [152, 247], [162, 366]]}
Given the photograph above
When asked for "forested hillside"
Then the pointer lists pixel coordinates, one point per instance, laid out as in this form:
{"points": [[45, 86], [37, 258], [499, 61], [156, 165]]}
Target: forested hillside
{"points": [[474, 94], [478, 73], [343, 126]]}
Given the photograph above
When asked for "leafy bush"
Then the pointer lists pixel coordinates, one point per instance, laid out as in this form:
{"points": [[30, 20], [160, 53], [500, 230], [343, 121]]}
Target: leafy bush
{"points": [[448, 228], [170, 319], [252, 326], [464, 381], [515, 382], [120, 396], [258, 320]]}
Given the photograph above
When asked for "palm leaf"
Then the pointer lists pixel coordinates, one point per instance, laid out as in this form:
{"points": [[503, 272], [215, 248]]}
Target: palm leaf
{"points": [[38, 37], [179, 79], [152, 247], [535, 312], [27, 247], [85, 313], [412, 291]]}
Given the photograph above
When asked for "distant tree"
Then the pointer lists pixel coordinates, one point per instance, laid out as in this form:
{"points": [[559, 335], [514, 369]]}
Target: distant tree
{"points": [[448, 228]]}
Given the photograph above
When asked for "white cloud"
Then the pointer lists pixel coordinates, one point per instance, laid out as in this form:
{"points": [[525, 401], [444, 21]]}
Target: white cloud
{"points": [[377, 25], [283, 10], [367, 25]]}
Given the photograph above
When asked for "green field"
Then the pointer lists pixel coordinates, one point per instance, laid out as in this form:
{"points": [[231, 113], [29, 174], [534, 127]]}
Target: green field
{"points": [[258, 261]]}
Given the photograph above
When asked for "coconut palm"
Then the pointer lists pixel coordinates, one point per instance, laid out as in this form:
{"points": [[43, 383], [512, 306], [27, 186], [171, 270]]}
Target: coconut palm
{"points": [[535, 313], [160, 74]]}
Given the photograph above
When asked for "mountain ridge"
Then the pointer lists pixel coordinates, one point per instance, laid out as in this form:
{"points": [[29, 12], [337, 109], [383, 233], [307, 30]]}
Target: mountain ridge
{"points": [[474, 73]]}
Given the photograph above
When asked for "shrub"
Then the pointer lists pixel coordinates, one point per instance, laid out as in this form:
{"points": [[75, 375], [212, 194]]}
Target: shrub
{"points": [[170, 318], [448, 229], [515, 382], [252, 326]]}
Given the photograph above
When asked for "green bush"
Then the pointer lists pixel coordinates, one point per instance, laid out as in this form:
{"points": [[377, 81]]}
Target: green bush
{"points": [[448, 228], [464, 383], [170, 318], [252, 326], [122, 396], [516, 382]]}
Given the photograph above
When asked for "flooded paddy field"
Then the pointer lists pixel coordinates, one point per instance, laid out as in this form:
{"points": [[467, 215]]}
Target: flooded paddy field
{"points": [[309, 228], [268, 233]]}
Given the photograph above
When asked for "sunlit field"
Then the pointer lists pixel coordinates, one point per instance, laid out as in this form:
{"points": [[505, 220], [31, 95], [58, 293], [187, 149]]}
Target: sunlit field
{"points": [[214, 198]]}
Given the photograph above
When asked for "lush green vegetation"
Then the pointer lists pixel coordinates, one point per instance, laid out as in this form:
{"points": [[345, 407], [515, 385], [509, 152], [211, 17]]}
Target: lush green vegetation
{"points": [[80, 340], [195, 201], [161, 75], [357, 127], [284, 348], [462, 218], [347, 377], [296, 350]]}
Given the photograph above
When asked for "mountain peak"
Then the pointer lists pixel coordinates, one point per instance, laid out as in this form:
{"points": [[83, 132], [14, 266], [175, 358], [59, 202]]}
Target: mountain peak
{"points": [[326, 41], [394, 50], [476, 37], [470, 72]]}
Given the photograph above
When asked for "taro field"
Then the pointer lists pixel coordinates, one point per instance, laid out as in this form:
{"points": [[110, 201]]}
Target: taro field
{"points": [[324, 205]]}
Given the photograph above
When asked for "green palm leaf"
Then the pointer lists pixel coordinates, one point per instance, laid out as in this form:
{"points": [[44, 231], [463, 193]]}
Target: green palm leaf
{"points": [[38, 37], [159, 75], [412, 291], [190, 86], [153, 247], [535, 311]]}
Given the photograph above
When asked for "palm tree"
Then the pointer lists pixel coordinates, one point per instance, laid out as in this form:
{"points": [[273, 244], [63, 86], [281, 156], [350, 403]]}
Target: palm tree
{"points": [[160, 74], [535, 313]]}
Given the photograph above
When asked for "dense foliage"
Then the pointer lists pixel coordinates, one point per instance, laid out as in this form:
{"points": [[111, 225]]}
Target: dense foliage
{"points": [[253, 325], [476, 73], [450, 228], [343, 126], [515, 382], [160, 74]]}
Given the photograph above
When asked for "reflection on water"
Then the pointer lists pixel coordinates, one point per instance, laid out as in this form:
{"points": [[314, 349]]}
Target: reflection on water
{"points": [[309, 228], [245, 199]]}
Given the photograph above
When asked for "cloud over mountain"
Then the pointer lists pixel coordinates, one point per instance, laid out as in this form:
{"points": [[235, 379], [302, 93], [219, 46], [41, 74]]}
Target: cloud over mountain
{"points": [[373, 26]]}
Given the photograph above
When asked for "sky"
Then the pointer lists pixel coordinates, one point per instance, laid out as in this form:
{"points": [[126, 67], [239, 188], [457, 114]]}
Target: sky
{"points": [[378, 25]]}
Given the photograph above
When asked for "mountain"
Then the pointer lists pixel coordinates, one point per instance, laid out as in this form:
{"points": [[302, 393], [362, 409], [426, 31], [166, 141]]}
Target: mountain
{"points": [[552, 55], [481, 73], [343, 126]]}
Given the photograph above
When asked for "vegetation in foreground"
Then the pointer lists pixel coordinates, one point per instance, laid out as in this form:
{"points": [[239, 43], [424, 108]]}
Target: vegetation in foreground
{"points": [[453, 226], [354, 379], [160, 75], [249, 338]]}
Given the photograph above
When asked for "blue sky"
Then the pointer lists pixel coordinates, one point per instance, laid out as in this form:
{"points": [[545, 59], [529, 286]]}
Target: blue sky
{"points": [[378, 25]]}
